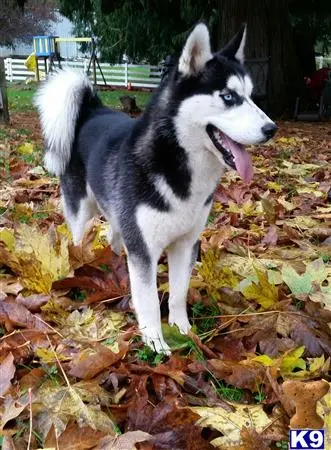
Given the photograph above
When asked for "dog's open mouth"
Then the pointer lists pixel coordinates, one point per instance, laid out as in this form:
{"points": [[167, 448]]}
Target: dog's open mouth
{"points": [[234, 154]]}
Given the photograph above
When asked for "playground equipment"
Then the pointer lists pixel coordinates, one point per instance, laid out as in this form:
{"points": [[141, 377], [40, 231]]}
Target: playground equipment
{"points": [[47, 48]]}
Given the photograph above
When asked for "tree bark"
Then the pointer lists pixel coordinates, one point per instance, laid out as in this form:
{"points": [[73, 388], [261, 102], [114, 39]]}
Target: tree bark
{"points": [[269, 35], [4, 112]]}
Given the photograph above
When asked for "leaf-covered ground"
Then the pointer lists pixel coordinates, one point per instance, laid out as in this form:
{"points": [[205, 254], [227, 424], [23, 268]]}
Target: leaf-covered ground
{"points": [[73, 371]]}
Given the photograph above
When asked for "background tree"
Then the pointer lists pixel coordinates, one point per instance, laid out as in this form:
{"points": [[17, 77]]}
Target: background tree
{"points": [[286, 31], [21, 19]]}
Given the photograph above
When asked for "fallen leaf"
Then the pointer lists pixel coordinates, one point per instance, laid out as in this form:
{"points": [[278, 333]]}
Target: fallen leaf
{"points": [[90, 362], [74, 437], [7, 372], [230, 424], [264, 293], [26, 149], [36, 259], [124, 441]]}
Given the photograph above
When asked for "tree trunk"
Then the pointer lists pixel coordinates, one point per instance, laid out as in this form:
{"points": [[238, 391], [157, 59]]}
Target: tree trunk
{"points": [[4, 112], [269, 35]]}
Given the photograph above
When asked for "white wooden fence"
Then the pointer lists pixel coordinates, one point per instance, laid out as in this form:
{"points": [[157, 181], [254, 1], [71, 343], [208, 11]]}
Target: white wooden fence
{"points": [[122, 75]]}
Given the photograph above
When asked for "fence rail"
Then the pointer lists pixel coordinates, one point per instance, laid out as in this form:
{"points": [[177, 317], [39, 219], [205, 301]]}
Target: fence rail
{"points": [[121, 75]]}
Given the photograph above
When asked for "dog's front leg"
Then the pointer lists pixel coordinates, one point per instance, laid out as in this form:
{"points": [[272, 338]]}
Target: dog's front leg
{"points": [[182, 255], [146, 301]]}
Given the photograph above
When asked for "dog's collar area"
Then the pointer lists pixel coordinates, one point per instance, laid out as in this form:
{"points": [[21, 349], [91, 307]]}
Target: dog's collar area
{"points": [[234, 154]]}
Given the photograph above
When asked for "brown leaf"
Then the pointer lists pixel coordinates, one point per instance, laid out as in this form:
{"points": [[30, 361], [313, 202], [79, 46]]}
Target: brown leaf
{"points": [[244, 374], [314, 334], [101, 285], [89, 362], [12, 408], [33, 302], [253, 440], [12, 314], [74, 438], [125, 441], [10, 286], [32, 379], [171, 426], [7, 372], [22, 344], [271, 237]]}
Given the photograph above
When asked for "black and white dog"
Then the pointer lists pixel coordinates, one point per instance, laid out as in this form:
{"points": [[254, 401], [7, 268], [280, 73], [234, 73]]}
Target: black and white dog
{"points": [[153, 178]]}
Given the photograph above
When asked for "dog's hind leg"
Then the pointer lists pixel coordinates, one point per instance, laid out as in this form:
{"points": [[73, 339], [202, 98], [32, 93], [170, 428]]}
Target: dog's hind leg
{"points": [[78, 203], [146, 301], [114, 236], [77, 216]]}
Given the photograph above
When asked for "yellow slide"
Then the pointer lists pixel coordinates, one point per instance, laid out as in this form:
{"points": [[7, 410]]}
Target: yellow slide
{"points": [[31, 64]]}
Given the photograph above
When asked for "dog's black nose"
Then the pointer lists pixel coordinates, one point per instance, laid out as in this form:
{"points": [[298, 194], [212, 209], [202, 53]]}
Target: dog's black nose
{"points": [[269, 130]]}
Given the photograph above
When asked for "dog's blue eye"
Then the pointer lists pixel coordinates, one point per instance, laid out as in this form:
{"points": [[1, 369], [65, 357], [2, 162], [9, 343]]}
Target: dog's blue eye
{"points": [[228, 97]]}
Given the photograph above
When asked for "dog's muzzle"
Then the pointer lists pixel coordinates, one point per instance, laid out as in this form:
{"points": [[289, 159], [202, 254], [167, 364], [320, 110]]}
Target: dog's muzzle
{"points": [[234, 154]]}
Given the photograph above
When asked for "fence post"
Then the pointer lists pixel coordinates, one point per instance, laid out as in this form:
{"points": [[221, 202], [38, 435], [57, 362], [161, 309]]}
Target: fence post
{"points": [[126, 80], [8, 69], [4, 112]]}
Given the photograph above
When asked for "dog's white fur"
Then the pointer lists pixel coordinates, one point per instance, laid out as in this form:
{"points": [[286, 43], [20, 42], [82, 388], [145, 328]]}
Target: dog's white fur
{"points": [[57, 102]]}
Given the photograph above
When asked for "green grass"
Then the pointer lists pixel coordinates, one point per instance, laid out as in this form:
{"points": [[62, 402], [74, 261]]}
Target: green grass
{"points": [[20, 97], [204, 316], [230, 393], [150, 356]]}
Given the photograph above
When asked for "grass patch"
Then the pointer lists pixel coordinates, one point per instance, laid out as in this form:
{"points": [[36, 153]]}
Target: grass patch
{"points": [[150, 356], [20, 97], [204, 316], [230, 393]]}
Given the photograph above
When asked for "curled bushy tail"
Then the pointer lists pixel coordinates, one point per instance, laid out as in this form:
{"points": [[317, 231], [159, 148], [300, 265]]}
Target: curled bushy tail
{"points": [[59, 101]]}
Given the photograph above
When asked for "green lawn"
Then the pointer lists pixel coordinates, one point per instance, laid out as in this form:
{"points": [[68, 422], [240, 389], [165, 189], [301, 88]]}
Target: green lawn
{"points": [[20, 97]]}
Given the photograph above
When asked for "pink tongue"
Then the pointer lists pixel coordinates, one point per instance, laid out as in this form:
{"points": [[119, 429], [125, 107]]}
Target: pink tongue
{"points": [[242, 158]]}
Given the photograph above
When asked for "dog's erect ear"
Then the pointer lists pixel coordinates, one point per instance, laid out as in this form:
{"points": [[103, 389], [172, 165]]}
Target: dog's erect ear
{"points": [[235, 49], [196, 51]]}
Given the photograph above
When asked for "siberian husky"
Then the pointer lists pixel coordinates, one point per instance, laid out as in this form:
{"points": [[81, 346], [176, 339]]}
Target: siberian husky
{"points": [[153, 178]]}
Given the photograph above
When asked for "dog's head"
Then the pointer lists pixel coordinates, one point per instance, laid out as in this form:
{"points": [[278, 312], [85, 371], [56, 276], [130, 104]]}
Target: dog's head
{"points": [[215, 105]]}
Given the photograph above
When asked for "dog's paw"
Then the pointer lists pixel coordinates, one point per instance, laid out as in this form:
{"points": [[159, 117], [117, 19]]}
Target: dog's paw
{"points": [[182, 323], [158, 344]]}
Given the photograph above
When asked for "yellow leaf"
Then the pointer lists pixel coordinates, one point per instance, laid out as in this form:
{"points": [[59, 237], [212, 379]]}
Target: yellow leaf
{"points": [[100, 239], [302, 222], [230, 423], [248, 208], [310, 190], [286, 363], [316, 364], [264, 293], [64, 231], [264, 359], [8, 238], [26, 149], [87, 325], [292, 360], [213, 276], [37, 260], [63, 402], [272, 185], [48, 356], [287, 205], [289, 141]]}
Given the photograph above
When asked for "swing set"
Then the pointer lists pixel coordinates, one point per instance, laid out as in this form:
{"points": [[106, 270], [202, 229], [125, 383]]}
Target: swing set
{"points": [[47, 49]]}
